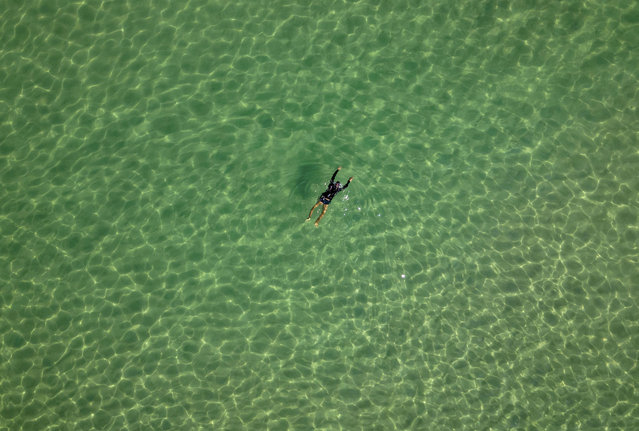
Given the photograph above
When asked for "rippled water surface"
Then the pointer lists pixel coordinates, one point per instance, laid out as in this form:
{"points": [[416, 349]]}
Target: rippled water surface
{"points": [[157, 162]]}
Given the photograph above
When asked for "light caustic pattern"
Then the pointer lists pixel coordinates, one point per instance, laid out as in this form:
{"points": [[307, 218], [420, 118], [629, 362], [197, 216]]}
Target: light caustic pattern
{"points": [[158, 159]]}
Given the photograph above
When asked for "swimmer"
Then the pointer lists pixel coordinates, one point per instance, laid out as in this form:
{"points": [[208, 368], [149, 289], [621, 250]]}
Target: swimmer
{"points": [[328, 195]]}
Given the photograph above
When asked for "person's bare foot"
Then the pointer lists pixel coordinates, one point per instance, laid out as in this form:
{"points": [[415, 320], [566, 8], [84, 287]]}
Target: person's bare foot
{"points": [[316, 224]]}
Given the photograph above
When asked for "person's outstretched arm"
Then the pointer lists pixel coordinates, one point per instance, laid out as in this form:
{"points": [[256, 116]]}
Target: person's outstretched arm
{"points": [[347, 183], [334, 174]]}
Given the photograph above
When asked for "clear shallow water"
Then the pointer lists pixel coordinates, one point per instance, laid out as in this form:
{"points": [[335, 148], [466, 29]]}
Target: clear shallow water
{"points": [[158, 160]]}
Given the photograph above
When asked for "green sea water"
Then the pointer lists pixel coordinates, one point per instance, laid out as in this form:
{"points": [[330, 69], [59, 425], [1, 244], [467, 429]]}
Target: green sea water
{"points": [[157, 162]]}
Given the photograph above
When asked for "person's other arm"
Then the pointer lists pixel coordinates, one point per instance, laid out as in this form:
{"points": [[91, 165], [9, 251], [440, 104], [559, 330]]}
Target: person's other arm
{"points": [[347, 183], [335, 174]]}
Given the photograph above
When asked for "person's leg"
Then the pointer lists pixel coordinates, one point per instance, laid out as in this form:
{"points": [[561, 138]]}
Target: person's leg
{"points": [[312, 209], [321, 215]]}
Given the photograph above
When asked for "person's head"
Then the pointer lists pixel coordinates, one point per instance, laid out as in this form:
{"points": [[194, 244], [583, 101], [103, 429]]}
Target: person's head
{"points": [[338, 184]]}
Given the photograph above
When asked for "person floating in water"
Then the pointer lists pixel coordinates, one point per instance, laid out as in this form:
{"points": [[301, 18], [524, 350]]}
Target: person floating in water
{"points": [[328, 195]]}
